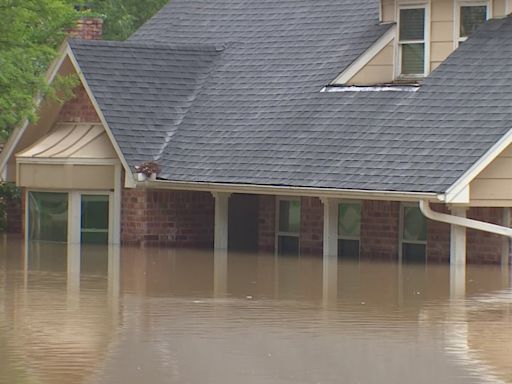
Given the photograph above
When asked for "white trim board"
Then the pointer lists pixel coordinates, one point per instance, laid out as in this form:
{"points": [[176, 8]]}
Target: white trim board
{"points": [[454, 191], [356, 66], [292, 191], [18, 131], [129, 181], [65, 51]]}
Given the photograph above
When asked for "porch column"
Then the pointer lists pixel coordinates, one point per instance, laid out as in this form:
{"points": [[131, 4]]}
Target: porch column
{"points": [[458, 239], [74, 218], [505, 250], [330, 245], [330, 250], [221, 220]]}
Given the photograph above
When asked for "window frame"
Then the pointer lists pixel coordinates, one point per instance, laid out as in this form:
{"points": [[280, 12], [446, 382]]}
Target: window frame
{"points": [[426, 41], [278, 232], [401, 232], [350, 238], [457, 5], [74, 211]]}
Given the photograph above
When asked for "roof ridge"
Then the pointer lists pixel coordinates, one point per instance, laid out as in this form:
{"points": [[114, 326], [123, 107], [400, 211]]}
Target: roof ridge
{"points": [[144, 45]]}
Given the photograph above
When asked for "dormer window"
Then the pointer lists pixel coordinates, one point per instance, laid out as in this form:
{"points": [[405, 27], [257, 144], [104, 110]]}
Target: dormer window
{"points": [[471, 16], [412, 42]]}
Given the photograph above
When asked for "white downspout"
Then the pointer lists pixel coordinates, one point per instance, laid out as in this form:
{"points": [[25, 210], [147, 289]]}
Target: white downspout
{"points": [[462, 221]]}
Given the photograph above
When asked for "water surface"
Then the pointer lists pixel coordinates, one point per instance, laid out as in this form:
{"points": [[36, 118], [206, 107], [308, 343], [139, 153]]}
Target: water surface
{"points": [[126, 315]]}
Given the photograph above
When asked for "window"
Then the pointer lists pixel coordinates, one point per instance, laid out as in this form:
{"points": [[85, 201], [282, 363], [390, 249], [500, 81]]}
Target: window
{"points": [[471, 16], [48, 216], [412, 42], [349, 230], [95, 219], [288, 227], [414, 235]]}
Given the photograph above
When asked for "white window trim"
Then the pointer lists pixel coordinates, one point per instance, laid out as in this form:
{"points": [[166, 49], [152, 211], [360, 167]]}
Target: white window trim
{"points": [[425, 41], [277, 231], [74, 213], [351, 238], [342, 237], [401, 241], [457, 4]]}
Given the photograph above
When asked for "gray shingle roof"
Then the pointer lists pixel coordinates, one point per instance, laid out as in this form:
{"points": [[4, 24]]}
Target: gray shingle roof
{"points": [[144, 90], [254, 113]]}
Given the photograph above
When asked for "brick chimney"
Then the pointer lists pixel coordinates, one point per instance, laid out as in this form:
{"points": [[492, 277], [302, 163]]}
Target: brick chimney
{"points": [[88, 28]]}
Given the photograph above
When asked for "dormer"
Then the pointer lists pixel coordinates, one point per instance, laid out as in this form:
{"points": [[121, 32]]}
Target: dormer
{"points": [[422, 34]]}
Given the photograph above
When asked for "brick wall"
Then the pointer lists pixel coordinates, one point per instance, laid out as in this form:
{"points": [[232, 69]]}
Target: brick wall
{"points": [[88, 28], [79, 109], [266, 223], [167, 218], [13, 211], [380, 230], [483, 247], [438, 238], [311, 226]]}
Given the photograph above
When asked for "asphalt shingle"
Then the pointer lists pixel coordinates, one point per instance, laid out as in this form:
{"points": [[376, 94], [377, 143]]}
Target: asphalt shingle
{"points": [[229, 91]]}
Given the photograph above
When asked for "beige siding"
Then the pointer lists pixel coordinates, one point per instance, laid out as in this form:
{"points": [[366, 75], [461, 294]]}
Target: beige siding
{"points": [[56, 176], [493, 187], [499, 8], [378, 70], [441, 32], [388, 11]]}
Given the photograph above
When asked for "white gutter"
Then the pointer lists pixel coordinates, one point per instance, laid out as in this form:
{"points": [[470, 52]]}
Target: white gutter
{"points": [[291, 191], [462, 221]]}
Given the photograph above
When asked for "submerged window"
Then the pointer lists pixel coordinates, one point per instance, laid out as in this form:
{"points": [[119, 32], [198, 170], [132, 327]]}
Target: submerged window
{"points": [[288, 227], [414, 235], [95, 219], [411, 42], [349, 229], [471, 17], [48, 216]]}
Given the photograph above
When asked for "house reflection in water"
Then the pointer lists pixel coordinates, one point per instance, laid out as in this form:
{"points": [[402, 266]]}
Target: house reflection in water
{"points": [[109, 315]]}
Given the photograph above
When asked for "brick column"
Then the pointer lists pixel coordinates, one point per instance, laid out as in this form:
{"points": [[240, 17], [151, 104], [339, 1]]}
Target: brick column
{"points": [[311, 226], [267, 223], [380, 230]]}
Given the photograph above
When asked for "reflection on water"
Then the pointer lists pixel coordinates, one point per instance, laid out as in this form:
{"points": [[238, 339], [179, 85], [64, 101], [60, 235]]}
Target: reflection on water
{"points": [[109, 315]]}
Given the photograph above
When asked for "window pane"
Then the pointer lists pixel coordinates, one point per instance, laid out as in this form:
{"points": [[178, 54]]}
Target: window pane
{"points": [[48, 216], [470, 18], [349, 224], [412, 24], [415, 225], [288, 246], [414, 253], [413, 59], [289, 216], [95, 219], [348, 249]]}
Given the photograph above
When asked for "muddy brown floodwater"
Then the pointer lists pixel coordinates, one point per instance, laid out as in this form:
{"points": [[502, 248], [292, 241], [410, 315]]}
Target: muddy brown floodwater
{"points": [[125, 315]]}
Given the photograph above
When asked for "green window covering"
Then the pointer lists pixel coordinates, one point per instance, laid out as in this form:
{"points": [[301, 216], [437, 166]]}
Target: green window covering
{"points": [[470, 18], [349, 220], [412, 24], [48, 216], [413, 59], [95, 219], [289, 216], [415, 225]]}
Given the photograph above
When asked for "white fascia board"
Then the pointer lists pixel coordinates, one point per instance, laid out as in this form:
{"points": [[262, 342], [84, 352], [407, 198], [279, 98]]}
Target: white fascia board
{"points": [[129, 179], [366, 57], [454, 192], [292, 191], [18, 131]]}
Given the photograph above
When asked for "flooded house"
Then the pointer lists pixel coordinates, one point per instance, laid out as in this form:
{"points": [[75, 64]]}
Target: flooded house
{"points": [[352, 129]]}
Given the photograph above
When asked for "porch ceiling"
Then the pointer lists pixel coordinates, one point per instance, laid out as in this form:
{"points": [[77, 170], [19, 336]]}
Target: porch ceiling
{"points": [[71, 141]]}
